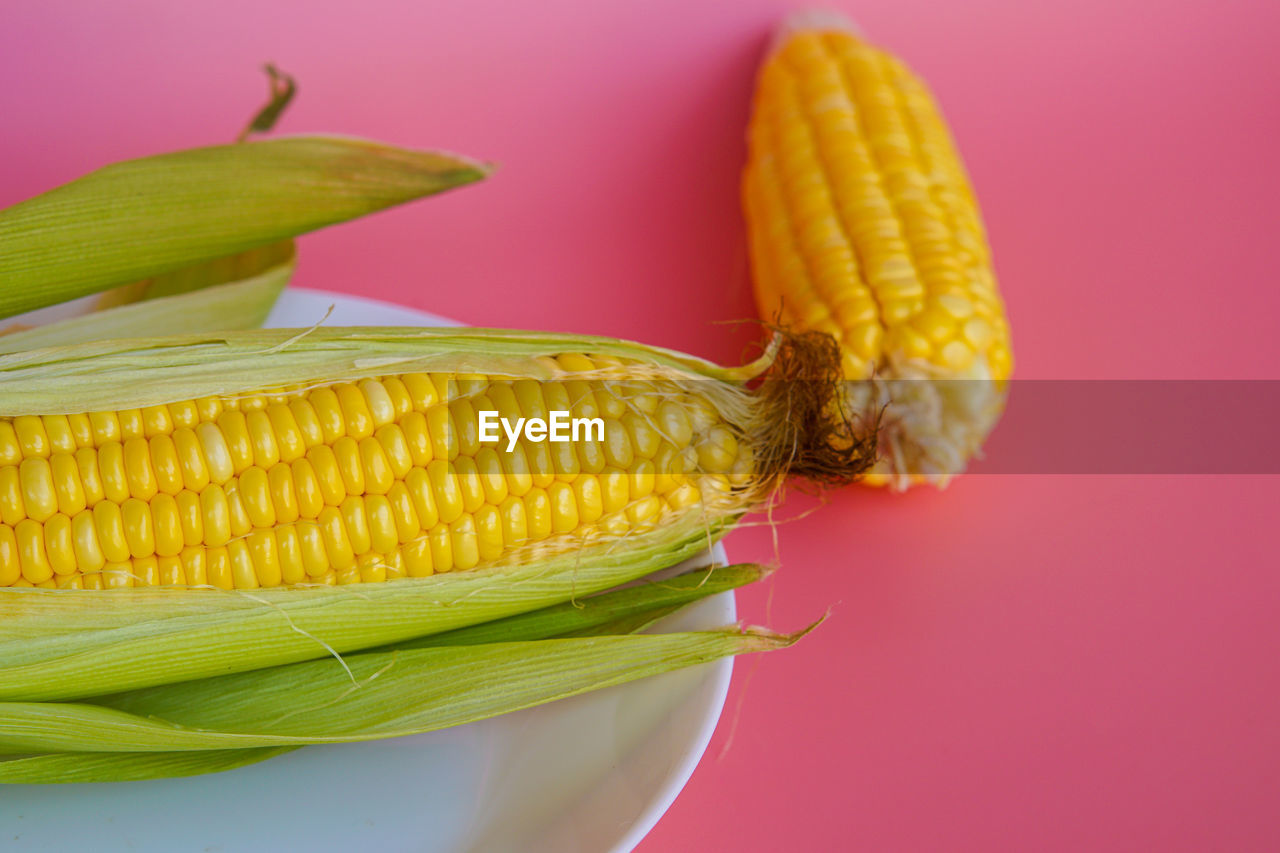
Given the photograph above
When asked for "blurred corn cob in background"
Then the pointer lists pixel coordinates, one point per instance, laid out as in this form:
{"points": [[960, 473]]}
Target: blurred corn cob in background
{"points": [[862, 223]]}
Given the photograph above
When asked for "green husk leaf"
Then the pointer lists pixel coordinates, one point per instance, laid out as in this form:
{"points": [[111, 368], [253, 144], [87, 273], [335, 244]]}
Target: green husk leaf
{"points": [[224, 270], [124, 374], [237, 294], [641, 605], [74, 767], [142, 218], [627, 623], [365, 697], [66, 644]]}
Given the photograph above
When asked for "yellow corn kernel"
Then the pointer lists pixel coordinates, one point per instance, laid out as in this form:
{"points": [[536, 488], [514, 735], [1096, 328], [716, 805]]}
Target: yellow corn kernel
{"points": [[195, 566], [209, 408], [346, 452], [417, 438], [265, 558], [281, 493], [421, 390], [564, 507], [417, 558], [11, 509], [10, 451], [383, 534], [441, 547], [139, 527], [615, 490], [156, 421], [337, 545], [32, 439], [541, 467], [216, 453], [184, 414], [58, 430], [356, 522], [324, 463], [84, 542], [59, 546], [465, 542], [66, 483], [306, 489], [537, 506], [355, 411], [167, 522], [266, 452], [191, 463], [443, 433], [165, 464], [87, 475], [446, 490], [315, 559], [333, 425], [237, 514], [218, 568], [215, 515], [644, 511], [138, 472], [645, 440], [190, 517], [618, 451], [109, 523], [81, 429], [515, 522], [146, 571], [31, 552], [39, 498], [304, 417], [254, 490], [170, 571], [243, 575], [399, 458], [111, 467], [293, 568], [288, 437], [235, 434], [488, 525], [401, 402], [469, 485], [378, 475]]}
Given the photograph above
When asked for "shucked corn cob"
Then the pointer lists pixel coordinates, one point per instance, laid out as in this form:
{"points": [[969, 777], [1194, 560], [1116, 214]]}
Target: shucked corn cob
{"points": [[862, 223], [376, 477]]}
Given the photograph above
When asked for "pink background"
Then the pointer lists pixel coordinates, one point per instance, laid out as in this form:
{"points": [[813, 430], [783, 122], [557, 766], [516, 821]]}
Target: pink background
{"points": [[1019, 662]]}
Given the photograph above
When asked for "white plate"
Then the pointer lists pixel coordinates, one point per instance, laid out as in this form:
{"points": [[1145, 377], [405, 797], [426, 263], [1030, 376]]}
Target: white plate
{"points": [[583, 775]]}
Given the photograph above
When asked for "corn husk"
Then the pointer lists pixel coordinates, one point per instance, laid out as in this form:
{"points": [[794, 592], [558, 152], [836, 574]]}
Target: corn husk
{"points": [[224, 270], [157, 215], [131, 373], [61, 644], [363, 696], [617, 611], [227, 294]]}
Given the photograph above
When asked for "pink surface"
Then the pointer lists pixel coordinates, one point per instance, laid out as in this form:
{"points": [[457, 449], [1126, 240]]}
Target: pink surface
{"points": [[1020, 662]]}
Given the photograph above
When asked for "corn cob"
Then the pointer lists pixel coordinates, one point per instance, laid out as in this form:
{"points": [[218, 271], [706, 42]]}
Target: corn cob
{"points": [[377, 476], [862, 223]]}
